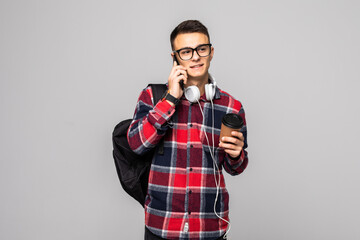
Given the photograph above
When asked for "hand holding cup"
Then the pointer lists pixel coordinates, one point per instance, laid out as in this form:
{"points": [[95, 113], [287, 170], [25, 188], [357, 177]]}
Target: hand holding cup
{"points": [[231, 139]]}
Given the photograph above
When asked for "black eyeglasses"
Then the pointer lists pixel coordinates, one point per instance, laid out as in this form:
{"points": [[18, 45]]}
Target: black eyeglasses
{"points": [[187, 53]]}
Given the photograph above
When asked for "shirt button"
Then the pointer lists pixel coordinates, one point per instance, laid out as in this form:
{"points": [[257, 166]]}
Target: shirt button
{"points": [[191, 125], [190, 169]]}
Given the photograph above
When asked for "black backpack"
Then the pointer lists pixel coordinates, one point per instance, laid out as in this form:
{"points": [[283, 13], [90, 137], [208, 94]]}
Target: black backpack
{"points": [[133, 169]]}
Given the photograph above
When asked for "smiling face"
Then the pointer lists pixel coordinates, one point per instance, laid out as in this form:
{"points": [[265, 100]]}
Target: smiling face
{"points": [[197, 67]]}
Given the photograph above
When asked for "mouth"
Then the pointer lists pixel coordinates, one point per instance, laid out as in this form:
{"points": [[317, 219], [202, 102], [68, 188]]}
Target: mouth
{"points": [[197, 66]]}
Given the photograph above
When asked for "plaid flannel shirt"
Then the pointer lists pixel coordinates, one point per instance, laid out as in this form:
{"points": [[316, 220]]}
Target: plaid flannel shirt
{"points": [[181, 192]]}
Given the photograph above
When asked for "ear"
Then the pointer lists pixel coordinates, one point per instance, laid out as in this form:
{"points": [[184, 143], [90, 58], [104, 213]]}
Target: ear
{"points": [[212, 53]]}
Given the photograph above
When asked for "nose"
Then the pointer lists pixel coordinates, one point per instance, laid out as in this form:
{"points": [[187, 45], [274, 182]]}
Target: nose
{"points": [[195, 56]]}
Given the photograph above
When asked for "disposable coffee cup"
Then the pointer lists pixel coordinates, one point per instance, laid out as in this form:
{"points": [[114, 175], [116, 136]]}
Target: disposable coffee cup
{"points": [[230, 122]]}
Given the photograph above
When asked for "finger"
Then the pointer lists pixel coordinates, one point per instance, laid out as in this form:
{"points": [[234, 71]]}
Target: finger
{"points": [[181, 77], [226, 145], [229, 140], [181, 72], [174, 73], [239, 142], [176, 65], [179, 67], [238, 135], [173, 69], [237, 145]]}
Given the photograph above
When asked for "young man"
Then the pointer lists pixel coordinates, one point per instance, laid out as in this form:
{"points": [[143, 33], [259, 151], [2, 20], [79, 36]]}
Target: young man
{"points": [[183, 180]]}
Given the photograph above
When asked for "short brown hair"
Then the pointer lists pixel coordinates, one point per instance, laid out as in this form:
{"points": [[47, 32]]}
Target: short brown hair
{"points": [[188, 26]]}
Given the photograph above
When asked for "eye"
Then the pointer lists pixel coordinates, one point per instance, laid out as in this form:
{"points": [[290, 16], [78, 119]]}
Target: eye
{"points": [[202, 49], [185, 51]]}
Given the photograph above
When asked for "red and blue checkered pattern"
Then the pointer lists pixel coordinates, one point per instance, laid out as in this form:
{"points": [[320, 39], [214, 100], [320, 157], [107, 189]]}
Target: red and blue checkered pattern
{"points": [[182, 189]]}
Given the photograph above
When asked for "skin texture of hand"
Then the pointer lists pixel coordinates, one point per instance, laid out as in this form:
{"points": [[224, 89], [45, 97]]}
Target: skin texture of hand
{"points": [[177, 74], [233, 145]]}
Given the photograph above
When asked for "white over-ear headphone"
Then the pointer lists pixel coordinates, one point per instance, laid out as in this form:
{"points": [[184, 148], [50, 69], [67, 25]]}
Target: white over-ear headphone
{"points": [[192, 93]]}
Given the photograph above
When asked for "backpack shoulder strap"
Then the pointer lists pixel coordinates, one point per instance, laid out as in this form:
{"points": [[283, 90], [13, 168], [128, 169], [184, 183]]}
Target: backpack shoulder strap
{"points": [[158, 92]]}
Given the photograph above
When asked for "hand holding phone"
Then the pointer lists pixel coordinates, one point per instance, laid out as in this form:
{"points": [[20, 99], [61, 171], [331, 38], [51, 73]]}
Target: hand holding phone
{"points": [[177, 79]]}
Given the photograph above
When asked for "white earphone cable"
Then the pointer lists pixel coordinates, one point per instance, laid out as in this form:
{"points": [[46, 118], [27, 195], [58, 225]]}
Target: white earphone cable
{"points": [[215, 166]]}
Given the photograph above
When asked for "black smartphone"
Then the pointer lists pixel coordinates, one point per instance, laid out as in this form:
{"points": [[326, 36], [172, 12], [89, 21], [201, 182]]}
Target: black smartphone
{"points": [[175, 60]]}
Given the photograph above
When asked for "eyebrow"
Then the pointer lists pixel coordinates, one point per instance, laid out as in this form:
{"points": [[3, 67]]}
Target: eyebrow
{"points": [[194, 47]]}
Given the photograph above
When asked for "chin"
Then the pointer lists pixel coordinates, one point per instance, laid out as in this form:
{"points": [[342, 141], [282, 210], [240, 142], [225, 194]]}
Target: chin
{"points": [[195, 73]]}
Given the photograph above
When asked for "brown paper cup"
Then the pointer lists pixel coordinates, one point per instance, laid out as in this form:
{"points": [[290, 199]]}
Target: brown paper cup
{"points": [[226, 131], [230, 122]]}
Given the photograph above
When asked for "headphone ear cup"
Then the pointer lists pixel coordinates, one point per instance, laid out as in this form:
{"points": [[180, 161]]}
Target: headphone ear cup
{"points": [[192, 94], [209, 91]]}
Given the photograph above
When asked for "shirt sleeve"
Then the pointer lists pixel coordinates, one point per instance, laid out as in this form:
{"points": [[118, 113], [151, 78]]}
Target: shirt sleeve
{"points": [[238, 165], [149, 123]]}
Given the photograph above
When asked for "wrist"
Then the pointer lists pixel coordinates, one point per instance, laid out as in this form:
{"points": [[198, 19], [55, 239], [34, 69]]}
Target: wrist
{"points": [[170, 99], [171, 103], [175, 94], [232, 158]]}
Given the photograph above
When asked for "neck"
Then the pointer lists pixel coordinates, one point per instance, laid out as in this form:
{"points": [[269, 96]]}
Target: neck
{"points": [[199, 82]]}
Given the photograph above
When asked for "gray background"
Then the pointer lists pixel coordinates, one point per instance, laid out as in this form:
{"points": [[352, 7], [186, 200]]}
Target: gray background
{"points": [[70, 70]]}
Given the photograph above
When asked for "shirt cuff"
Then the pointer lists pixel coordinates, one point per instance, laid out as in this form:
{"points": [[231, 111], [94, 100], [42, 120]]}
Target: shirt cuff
{"points": [[237, 160], [161, 114]]}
